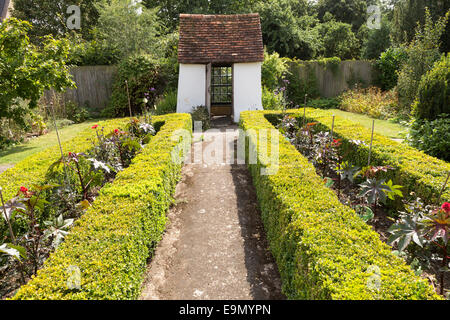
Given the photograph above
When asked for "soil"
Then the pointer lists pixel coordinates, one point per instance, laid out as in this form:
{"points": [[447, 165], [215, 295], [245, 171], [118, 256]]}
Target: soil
{"points": [[215, 246]]}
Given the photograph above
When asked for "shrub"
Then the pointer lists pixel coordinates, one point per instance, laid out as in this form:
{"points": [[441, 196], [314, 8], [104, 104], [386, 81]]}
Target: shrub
{"points": [[270, 100], [371, 101], [76, 113], [432, 137], [322, 248], [144, 76], [91, 53], [387, 67], [433, 97], [110, 244], [168, 103], [201, 113]]}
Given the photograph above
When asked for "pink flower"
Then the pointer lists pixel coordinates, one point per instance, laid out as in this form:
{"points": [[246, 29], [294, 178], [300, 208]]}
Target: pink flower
{"points": [[446, 207]]}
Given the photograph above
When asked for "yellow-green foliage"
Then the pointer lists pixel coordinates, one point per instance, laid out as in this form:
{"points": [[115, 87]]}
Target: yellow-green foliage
{"points": [[322, 248], [110, 244]]}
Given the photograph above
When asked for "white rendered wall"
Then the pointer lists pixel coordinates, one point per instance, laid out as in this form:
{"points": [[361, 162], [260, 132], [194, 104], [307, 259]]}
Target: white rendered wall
{"points": [[191, 87], [247, 87]]}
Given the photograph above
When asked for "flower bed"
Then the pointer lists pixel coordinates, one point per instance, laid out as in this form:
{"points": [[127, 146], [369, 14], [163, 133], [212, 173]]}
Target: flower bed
{"points": [[322, 248], [415, 171], [110, 243]]}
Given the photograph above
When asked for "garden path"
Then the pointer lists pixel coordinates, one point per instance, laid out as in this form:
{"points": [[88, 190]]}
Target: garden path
{"points": [[214, 246]]}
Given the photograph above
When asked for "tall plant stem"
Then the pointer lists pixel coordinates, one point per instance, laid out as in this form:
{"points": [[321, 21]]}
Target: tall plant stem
{"points": [[8, 222]]}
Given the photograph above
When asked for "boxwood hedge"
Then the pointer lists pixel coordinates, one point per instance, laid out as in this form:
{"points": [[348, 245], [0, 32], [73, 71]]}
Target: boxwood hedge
{"points": [[111, 242], [322, 248], [416, 171]]}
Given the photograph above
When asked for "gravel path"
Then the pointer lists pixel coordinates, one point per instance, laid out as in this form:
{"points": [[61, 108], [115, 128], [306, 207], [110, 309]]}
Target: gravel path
{"points": [[215, 245]]}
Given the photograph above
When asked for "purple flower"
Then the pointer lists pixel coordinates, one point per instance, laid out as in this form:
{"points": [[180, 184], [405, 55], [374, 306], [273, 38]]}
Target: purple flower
{"points": [[152, 89]]}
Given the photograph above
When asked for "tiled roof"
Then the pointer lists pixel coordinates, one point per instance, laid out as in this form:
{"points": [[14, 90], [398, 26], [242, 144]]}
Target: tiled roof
{"points": [[220, 38]]}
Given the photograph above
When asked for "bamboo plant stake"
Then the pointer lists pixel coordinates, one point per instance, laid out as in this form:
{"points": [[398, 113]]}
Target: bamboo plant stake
{"points": [[59, 143], [371, 142], [8, 222]]}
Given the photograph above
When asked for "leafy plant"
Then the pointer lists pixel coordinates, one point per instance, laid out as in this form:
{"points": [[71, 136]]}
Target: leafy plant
{"points": [[374, 191], [387, 67], [423, 225], [432, 137], [423, 52], [27, 70], [433, 96]]}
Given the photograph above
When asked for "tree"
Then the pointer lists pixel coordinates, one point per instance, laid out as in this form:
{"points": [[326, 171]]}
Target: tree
{"points": [[284, 32], [129, 28], [353, 12], [377, 41], [49, 17], [26, 70], [408, 13]]}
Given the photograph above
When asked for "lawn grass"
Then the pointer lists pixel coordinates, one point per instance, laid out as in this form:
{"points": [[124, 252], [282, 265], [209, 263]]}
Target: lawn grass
{"points": [[17, 153], [384, 127]]}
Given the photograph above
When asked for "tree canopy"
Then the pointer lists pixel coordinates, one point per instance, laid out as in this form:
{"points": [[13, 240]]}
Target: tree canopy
{"points": [[27, 70]]}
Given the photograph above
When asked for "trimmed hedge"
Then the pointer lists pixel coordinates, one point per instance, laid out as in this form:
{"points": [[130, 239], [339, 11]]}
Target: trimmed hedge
{"points": [[111, 242], [416, 171], [322, 248], [32, 170]]}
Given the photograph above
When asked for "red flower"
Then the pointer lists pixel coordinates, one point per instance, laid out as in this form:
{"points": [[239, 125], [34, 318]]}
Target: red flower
{"points": [[116, 131], [95, 127], [23, 189], [446, 207]]}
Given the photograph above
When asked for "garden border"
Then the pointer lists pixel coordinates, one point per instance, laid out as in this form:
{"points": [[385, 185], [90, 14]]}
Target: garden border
{"points": [[416, 171], [105, 254], [322, 248]]}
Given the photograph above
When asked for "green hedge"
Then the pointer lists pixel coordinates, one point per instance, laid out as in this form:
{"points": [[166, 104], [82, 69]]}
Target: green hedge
{"points": [[110, 244], [322, 248], [415, 170]]}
